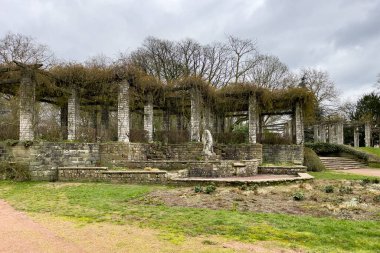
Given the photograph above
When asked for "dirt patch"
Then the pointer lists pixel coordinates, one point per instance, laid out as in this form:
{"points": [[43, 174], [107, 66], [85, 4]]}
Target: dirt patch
{"points": [[348, 199]]}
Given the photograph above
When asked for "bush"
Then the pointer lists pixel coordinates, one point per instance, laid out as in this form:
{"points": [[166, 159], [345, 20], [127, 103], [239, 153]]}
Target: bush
{"points": [[198, 189], [14, 171], [312, 161], [345, 190], [329, 189], [275, 139], [210, 188], [376, 199], [298, 196]]}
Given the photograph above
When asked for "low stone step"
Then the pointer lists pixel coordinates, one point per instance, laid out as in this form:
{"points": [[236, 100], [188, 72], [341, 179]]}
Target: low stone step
{"points": [[341, 163]]}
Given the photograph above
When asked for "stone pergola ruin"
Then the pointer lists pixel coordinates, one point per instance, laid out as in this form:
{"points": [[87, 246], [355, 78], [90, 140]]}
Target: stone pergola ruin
{"points": [[193, 102]]}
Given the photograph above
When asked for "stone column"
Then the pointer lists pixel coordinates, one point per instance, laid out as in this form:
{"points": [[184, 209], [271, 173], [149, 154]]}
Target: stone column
{"points": [[332, 133], [123, 112], [148, 117], [166, 121], [339, 133], [356, 137], [73, 115], [195, 116], [104, 122], [252, 119], [27, 99], [322, 133], [299, 124], [63, 117], [367, 134], [316, 136]]}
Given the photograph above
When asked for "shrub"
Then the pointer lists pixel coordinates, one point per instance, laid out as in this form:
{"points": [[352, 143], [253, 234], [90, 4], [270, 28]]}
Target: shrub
{"points": [[14, 171], [375, 181], [210, 188], [275, 138], [312, 161], [329, 189], [345, 190], [298, 196], [198, 189], [376, 199], [365, 181]]}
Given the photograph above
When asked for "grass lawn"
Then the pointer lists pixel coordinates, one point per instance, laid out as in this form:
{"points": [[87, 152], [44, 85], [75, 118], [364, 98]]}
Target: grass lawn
{"points": [[121, 204], [371, 150], [332, 175]]}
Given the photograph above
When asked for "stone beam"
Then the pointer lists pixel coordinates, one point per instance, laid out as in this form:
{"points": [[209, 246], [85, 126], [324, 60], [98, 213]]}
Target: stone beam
{"points": [[27, 99], [148, 117], [123, 112], [252, 119]]}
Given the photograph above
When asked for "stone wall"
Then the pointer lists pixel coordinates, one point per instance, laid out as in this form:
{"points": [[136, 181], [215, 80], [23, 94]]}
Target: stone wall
{"points": [[283, 154], [282, 170], [239, 151], [44, 158], [224, 168], [101, 174]]}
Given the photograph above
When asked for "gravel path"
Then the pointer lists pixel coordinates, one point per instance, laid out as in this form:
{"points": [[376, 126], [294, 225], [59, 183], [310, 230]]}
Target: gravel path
{"points": [[19, 233]]}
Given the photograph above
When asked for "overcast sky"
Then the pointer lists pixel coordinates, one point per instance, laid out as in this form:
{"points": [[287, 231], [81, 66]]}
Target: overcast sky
{"points": [[339, 36]]}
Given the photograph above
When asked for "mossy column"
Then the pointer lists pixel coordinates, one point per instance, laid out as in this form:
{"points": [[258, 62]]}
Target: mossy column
{"points": [[27, 99], [72, 115], [316, 135], [367, 134], [195, 116], [339, 133], [252, 119], [322, 133], [148, 117], [123, 113], [356, 137], [299, 124]]}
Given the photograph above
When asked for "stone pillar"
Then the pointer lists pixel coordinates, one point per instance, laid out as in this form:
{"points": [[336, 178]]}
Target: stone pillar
{"points": [[73, 115], [104, 122], [148, 117], [299, 124], [322, 133], [316, 135], [166, 121], [27, 99], [64, 120], [195, 116], [339, 133], [367, 134], [252, 119], [332, 133], [123, 112], [356, 137]]}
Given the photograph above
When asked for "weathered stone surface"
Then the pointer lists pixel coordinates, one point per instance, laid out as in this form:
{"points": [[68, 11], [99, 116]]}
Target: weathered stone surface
{"points": [[148, 117], [73, 115], [299, 124], [367, 133], [195, 116], [27, 97], [282, 153], [123, 112], [252, 119]]}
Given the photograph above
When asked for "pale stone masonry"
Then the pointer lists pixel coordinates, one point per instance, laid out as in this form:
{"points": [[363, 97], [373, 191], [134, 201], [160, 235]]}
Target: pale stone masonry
{"points": [[299, 124], [73, 115], [123, 112], [148, 117], [356, 137], [339, 133], [195, 116], [252, 119], [322, 133], [367, 132], [27, 98], [316, 133]]}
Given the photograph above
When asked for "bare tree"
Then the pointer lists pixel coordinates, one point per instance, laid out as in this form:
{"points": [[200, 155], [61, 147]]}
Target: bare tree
{"points": [[24, 49], [268, 72]]}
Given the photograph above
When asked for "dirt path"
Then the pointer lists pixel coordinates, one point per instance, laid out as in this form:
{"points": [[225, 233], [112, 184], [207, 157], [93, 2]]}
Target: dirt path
{"points": [[19, 233], [364, 172]]}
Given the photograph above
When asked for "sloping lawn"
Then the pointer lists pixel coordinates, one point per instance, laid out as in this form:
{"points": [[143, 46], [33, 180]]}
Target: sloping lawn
{"points": [[97, 202], [332, 175], [371, 150]]}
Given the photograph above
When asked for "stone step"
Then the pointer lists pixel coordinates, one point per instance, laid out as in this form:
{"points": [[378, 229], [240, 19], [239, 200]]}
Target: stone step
{"points": [[341, 163]]}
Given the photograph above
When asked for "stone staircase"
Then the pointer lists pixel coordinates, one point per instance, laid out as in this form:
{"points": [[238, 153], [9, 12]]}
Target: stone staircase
{"points": [[341, 163]]}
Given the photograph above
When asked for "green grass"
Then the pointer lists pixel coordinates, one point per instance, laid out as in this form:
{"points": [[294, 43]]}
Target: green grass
{"points": [[97, 202], [332, 175], [370, 150]]}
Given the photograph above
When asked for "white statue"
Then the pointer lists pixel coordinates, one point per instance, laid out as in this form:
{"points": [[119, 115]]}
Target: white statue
{"points": [[207, 143]]}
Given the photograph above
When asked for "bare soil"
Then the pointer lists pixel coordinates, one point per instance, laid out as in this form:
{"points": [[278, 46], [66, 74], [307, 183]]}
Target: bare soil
{"points": [[360, 204]]}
